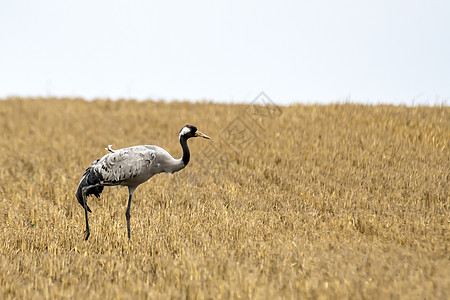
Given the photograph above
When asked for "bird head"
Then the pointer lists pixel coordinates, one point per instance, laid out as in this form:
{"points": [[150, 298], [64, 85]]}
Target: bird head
{"points": [[189, 131]]}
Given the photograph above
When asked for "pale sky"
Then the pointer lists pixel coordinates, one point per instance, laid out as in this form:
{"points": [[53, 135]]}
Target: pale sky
{"points": [[295, 51]]}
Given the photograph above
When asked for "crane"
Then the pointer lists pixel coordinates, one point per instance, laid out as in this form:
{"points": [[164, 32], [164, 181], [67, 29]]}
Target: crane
{"points": [[131, 167]]}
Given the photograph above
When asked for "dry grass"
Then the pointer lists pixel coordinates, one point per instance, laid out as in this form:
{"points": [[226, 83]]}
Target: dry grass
{"points": [[336, 201]]}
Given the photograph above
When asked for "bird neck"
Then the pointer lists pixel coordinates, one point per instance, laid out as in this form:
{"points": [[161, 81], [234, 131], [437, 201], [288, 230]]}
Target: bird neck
{"points": [[186, 154]]}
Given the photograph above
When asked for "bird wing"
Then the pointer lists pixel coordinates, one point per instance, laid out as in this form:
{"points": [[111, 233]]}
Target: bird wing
{"points": [[125, 164]]}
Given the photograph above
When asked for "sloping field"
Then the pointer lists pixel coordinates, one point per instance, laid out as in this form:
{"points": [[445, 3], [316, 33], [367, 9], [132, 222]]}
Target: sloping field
{"points": [[336, 201]]}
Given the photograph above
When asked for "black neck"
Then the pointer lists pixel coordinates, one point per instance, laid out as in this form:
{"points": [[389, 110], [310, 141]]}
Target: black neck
{"points": [[186, 155]]}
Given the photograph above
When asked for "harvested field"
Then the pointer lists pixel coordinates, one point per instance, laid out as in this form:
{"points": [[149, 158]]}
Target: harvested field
{"points": [[308, 201]]}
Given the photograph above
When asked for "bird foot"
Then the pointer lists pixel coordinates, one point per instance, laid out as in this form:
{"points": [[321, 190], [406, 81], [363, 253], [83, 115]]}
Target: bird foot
{"points": [[86, 235]]}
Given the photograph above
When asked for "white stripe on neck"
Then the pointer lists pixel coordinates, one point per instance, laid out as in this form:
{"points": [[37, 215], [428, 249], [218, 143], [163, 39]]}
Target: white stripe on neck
{"points": [[184, 131]]}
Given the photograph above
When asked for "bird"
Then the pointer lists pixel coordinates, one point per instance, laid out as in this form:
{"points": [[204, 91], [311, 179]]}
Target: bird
{"points": [[131, 167]]}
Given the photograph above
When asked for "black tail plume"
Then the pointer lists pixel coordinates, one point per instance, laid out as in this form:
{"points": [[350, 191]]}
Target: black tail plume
{"points": [[91, 177]]}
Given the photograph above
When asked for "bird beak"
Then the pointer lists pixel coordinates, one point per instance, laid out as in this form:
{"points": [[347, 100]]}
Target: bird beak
{"points": [[198, 133]]}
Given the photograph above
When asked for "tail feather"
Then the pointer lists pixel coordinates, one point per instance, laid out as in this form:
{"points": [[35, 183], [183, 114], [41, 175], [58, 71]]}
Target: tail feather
{"points": [[91, 177]]}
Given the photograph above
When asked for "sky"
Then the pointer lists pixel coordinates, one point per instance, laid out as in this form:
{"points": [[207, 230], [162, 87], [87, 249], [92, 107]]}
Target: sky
{"points": [[324, 51]]}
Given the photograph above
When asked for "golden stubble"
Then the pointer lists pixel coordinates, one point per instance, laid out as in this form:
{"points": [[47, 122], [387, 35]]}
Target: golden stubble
{"points": [[334, 201]]}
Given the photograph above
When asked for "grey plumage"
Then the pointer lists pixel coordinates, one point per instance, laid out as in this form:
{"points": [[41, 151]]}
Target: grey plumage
{"points": [[131, 167], [124, 165]]}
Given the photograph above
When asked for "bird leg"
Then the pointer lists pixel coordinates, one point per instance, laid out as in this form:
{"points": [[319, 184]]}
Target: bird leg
{"points": [[86, 232], [128, 216], [84, 190], [127, 213]]}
